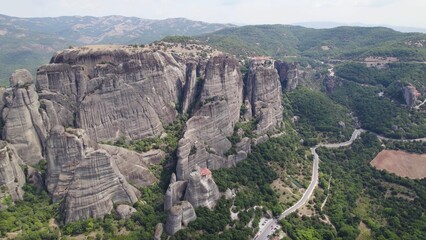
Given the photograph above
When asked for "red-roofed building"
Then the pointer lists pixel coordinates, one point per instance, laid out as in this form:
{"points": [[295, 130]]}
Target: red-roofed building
{"points": [[205, 172]]}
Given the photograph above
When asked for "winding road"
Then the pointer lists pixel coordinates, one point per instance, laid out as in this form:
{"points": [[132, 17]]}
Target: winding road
{"points": [[266, 230]]}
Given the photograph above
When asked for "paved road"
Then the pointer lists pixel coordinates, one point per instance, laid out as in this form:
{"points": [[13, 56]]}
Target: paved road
{"points": [[266, 230], [355, 135], [314, 179], [308, 193]]}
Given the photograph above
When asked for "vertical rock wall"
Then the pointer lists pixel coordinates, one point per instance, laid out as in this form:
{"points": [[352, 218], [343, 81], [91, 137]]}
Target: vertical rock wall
{"points": [[84, 176], [23, 123], [264, 94], [216, 112], [12, 177]]}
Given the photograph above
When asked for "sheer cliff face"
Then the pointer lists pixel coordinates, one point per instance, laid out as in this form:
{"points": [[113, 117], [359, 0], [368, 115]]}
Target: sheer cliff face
{"points": [[112, 92], [84, 176], [216, 112], [24, 127], [12, 177], [264, 94], [103, 93]]}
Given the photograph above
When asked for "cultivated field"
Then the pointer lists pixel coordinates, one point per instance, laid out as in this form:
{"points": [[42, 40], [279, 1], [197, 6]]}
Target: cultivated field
{"points": [[401, 163]]}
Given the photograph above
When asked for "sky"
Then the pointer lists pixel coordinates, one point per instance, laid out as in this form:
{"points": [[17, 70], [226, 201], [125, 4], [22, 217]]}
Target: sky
{"points": [[410, 13]]}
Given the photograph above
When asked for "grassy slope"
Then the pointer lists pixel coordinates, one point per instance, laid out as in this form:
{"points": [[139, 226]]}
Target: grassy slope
{"points": [[347, 42]]}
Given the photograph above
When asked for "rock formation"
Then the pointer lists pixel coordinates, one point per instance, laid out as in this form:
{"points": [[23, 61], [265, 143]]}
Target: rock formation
{"points": [[112, 91], [410, 95], [205, 140], [264, 94], [201, 189], [125, 211], [12, 177], [158, 231], [289, 74], [23, 123], [133, 165], [106, 93], [84, 176], [174, 193], [179, 215]]}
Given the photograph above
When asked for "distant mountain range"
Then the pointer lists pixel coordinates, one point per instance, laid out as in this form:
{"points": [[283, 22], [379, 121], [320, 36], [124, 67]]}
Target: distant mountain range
{"points": [[319, 25], [345, 42], [29, 42]]}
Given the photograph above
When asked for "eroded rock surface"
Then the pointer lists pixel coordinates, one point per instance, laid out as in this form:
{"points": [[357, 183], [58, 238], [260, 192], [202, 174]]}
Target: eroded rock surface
{"points": [[410, 95], [174, 193], [135, 166], [112, 91], [12, 177], [201, 189], [125, 211], [23, 123], [264, 94], [181, 214], [158, 231], [84, 176], [205, 140]]}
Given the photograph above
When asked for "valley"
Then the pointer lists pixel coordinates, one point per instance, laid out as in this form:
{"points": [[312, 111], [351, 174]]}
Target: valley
{"points": [[249, 132]]}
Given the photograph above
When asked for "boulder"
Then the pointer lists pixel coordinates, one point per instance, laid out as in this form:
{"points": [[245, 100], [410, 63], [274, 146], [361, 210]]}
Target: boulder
{"points": [[21, 78], [125, 211], [229, 194], [34, 177], [158, 231]]}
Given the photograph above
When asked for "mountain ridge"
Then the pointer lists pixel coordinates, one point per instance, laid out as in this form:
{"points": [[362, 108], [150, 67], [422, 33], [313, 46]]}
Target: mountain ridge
{"points": [[30, 42]]}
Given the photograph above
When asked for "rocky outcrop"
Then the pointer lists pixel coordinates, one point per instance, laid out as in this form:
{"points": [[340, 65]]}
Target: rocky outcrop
{"points": [[23, 124], [201, 189], [293, 74], [125, 211], [84, 176], [134, 166], [174, 220], [34, 177], [264, 94], [12, 177], [112, 91], [410, 95], [181, 214], [205, 140], [174, 193], [158, 231]]}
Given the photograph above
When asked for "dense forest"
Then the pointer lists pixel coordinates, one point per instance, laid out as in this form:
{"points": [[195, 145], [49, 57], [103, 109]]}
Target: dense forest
{"points": [[391, 206]]}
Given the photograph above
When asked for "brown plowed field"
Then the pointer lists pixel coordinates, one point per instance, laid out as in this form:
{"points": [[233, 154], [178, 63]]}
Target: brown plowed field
{"points": [[401, 163]]}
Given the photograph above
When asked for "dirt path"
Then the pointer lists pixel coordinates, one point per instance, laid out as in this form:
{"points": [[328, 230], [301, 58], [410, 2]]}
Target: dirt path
{"points": [[328, 192]]}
